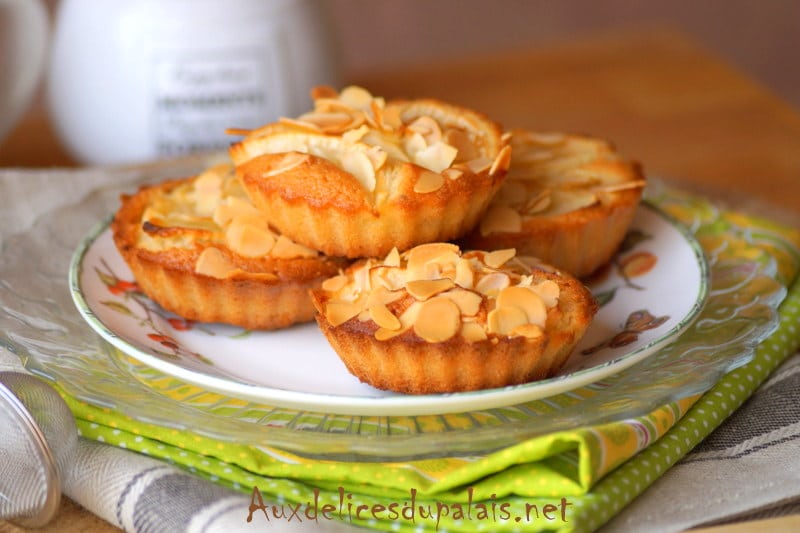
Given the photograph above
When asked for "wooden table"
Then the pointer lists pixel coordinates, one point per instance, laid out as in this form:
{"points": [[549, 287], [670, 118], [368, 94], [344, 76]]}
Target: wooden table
{"points": [[684, 113]]}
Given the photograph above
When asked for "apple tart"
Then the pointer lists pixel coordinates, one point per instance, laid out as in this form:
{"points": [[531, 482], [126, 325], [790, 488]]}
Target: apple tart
{"points": [[435, 319], [199, 248], [567, 199], [358, 175]]}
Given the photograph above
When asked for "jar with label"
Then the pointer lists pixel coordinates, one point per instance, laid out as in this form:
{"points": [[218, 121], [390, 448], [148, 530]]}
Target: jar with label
{"points": [[145, 79]]}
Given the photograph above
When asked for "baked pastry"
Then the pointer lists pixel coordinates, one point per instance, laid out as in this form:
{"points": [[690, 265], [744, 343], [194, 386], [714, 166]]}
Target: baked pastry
{"points": [[567, 199], [436, 320], [199, 248], [358, 176]]}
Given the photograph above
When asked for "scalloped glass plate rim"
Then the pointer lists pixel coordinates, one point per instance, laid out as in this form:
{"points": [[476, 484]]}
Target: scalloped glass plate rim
{"points": [[393, 405]]}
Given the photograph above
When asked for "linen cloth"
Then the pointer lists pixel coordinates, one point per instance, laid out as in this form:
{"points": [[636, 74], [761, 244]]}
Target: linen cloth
{"points": [[141, 493]]}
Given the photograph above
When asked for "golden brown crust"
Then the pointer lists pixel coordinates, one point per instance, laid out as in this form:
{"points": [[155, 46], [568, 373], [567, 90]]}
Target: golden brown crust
{"points": [[578, 239], [259, 293], [367, 186], [404, 361]]}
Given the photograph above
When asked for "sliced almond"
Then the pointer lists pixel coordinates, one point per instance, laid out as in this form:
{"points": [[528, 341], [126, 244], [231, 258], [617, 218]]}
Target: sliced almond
{"points": [[212, 263], [501, 162], [338, 312], [468, 302], [500, 219], [248, 240], [358, 164], [419, 256], [526, 300], [335, 284], [452, 173], [465, 277], [384, 318], [498, 258], [492, 284], [479, 164], [548, 291], [428, 182], [428, 128], [289, 161], [530, 331], [435, 157], [503, 320], [393, 258], [286, 248], [439, 319], [423, 289], [473, 332]]}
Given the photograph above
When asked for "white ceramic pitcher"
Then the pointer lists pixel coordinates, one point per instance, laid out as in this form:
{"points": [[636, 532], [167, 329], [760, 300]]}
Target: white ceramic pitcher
{"points": [[23, 49], [135, 80]]}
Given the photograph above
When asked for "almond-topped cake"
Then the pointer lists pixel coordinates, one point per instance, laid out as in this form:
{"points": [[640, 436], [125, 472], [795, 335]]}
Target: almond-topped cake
{"points": [[567, 199], [435, 319], [199, 248], [358, 175]]}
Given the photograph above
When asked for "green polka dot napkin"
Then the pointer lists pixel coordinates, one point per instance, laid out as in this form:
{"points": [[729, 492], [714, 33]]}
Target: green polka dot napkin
{"points": [[572, 480]]}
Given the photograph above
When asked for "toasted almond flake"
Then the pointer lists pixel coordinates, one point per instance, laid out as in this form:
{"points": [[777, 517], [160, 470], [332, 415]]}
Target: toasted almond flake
{"points": [[383, 334], [530, 331], [493, 283], [248, 240], [498, 258], [568, 201], [390, 278], [285, 248], [428, 182], [335, 284], [500, 219], [391, 118], [526, 300], [383, 296], [501, 162], [356, 97], [468, 302], [393, 258], [424, 288], [355, 135], [419, 256], [435, 157], [339, 312], [359, 165], [326, 120], [212, 263], [506, 137], [465, 277], [306, 126], [479, 164], [377, 156], [414, 143], [428, 128], [410, 315], [233, 208], [439, 319], [620, 186], [548, 291], [503, 320], [289, 161], [384, 318], [452, 173], [538, 202], [473, 332]]}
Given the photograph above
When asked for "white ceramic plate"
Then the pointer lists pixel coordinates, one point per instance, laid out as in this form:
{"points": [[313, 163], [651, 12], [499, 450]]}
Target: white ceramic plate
{"points": [[653, 291]]}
